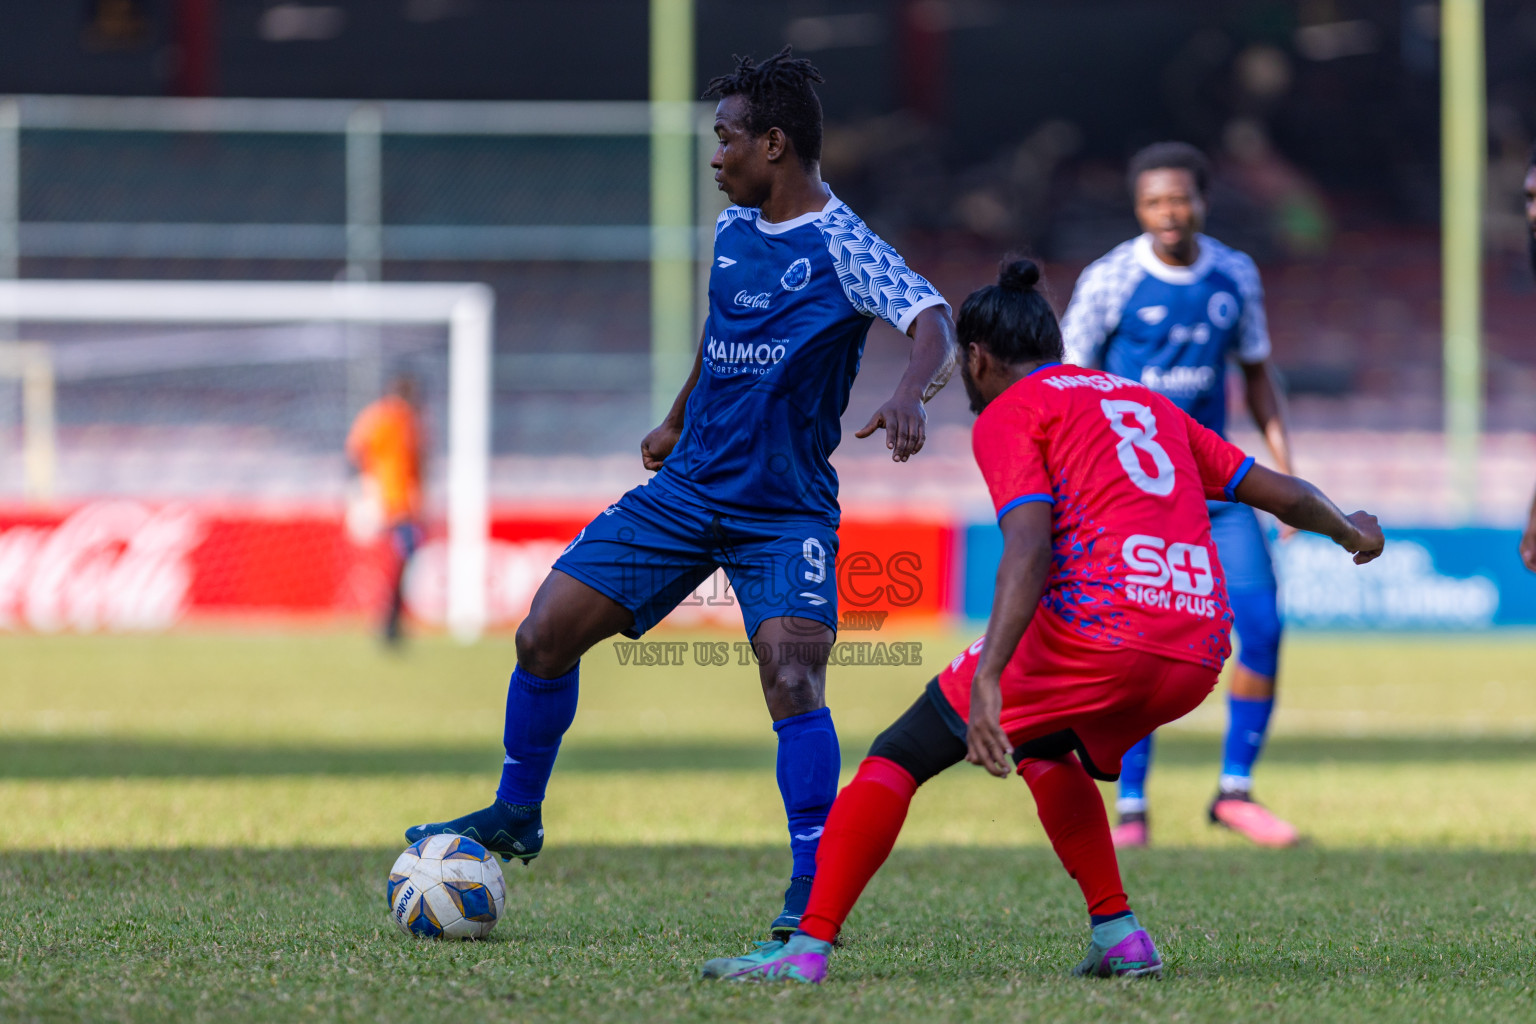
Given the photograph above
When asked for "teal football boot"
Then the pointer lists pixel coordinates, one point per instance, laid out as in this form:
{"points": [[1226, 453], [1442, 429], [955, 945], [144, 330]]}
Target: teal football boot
{"points": [[1120, 949], [801, 959]]}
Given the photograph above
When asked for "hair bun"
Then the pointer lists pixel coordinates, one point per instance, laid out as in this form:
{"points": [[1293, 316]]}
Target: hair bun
{"points": [[1019, 276]]}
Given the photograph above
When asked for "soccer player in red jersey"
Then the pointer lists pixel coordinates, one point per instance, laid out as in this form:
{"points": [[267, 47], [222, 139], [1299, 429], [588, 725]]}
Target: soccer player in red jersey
{"points": [[1110, 618]]}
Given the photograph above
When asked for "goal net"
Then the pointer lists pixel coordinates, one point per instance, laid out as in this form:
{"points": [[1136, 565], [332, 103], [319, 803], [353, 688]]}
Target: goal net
{"points": [[173, 450]]}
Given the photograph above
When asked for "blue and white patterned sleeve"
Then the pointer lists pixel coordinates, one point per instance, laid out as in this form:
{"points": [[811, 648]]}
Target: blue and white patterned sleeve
{"points": [[732, 213], [1085, 326], [1253, 329], [876, 280]]}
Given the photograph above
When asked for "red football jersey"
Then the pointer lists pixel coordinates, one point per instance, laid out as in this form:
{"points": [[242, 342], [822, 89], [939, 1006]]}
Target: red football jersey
{"points": [[1127, 474]]}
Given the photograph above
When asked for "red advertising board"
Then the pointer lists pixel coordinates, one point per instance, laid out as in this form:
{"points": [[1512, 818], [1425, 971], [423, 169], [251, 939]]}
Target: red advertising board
{"points": [[123, 565]]}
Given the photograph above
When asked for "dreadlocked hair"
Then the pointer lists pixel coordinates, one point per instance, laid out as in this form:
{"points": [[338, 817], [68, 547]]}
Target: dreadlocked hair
{"points": [[779, 95]]}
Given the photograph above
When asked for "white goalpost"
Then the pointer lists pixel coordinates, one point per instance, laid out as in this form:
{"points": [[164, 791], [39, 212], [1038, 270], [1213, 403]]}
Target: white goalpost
{"points": [[466, 310]]}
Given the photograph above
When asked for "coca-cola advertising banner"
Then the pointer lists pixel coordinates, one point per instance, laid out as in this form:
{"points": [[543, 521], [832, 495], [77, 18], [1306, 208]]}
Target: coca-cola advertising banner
{"points": [[123, 565]]}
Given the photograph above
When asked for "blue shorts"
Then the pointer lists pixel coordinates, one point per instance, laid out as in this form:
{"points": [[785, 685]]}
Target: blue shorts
{"points": [[653, 548], [1251, 585]]}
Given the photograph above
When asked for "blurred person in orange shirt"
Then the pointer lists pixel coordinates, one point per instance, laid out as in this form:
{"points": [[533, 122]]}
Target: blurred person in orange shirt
{"points": [[385, 444]]}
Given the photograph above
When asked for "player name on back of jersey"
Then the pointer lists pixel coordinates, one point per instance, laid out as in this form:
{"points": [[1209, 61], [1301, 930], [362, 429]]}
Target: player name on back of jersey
{"points": [[1175, 380]]}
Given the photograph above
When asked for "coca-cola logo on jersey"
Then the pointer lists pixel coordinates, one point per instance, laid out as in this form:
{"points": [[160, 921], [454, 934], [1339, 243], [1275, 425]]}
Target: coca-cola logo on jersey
{"points": [[110, 565]]}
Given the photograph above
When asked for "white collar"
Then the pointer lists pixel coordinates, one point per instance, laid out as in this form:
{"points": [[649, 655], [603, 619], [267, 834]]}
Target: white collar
{"points": [[1147, 259], [769, 227]]}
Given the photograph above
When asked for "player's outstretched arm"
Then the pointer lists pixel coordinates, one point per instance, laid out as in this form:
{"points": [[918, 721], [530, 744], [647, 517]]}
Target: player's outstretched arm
{"points": [[1020, 583], [1298, 503], [1268, 409], [658, 444], [1267, 406], [934, 350], [1528, 540]]}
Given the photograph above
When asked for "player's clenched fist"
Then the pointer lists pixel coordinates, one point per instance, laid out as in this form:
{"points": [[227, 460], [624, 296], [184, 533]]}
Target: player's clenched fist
{"points": [[658, 444], [1369, 541]]}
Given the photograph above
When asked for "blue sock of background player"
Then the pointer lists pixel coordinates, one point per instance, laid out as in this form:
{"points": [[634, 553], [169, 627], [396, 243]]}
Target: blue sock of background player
{"points": [[1132, 803], [1247, 726], [808, 765], [1248, 716]]}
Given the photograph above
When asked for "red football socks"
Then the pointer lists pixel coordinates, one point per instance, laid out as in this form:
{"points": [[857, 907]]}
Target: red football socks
{"points": [[860, 831], [1073, 815]]}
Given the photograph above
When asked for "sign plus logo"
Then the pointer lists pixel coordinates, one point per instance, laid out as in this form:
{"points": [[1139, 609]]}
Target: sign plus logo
{"points": [[1190, 566], [1185, 567]]}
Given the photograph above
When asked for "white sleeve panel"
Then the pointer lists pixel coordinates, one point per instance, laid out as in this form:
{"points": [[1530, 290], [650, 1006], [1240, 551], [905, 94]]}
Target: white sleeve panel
{"points": [[876, 280], [732, 213], [1085, 326], [1253, 329]]}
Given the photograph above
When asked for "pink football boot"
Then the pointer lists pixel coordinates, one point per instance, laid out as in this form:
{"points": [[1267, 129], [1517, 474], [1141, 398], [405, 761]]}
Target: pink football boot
{"points": [[1242, 814], [1132, 832]]}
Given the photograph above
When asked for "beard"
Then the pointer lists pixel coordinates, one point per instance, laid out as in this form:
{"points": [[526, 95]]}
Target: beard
{"points": [[972, 392]]}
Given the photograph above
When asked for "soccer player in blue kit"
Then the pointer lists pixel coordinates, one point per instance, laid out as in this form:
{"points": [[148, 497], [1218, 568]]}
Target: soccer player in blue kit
{"points": [[1169, 309], [742, 478]]}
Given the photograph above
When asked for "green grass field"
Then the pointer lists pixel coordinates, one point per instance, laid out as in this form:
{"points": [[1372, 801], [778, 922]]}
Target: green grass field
{"points": [[197, 827]]}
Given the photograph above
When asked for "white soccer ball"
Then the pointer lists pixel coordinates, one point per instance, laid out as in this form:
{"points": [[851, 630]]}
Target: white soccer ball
{"points": [[446, 887]]}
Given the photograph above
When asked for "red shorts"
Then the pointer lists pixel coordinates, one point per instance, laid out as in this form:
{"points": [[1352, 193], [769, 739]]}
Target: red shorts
{"points": [[1110, 697]]}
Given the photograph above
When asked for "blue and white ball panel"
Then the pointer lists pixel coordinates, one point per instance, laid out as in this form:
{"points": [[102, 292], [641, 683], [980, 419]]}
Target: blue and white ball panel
{"points": [[446, 887], [464, 848], [437, 902], [473, 901], [411, 912], [427, 872]]}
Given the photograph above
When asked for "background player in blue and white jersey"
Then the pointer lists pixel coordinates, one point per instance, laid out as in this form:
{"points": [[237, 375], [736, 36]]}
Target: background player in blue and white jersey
{"points": [[743, 480], [1170, 308]]}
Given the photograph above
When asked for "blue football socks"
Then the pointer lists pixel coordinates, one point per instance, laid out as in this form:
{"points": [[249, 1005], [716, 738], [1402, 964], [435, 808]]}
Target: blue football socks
{"points": [[808, 765], [1247, 725], [1133, 777], [539, 711]]}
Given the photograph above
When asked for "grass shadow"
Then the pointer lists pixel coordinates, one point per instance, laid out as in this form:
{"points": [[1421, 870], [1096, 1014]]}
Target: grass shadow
{"points": [[65, 757]]}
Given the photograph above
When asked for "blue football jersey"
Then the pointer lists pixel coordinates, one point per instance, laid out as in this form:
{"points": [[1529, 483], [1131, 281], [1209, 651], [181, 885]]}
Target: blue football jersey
{"points": [[789, 306], [1172, 329]]}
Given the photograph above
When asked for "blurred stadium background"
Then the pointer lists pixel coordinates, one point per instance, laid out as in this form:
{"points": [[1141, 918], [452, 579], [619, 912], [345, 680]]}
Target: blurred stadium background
{"points": [[511, 144]]}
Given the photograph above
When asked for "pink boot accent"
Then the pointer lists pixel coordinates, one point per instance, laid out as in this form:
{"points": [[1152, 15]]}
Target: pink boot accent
{"points": [[1255, 821]]}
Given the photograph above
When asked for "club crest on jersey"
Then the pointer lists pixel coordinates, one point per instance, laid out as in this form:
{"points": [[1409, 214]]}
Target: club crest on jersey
{"points": [[797, 276], [1222, 309]]}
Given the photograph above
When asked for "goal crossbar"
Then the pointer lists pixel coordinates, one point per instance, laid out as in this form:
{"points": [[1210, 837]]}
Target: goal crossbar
{"points": [[467, 310]]}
